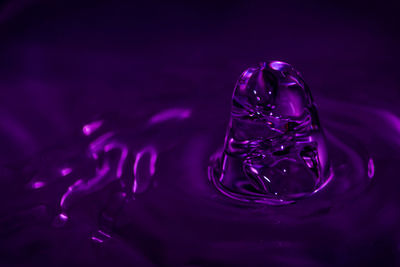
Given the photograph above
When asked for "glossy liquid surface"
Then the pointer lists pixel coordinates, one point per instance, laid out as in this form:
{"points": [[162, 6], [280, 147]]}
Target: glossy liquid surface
{"points": [[275, 149]]}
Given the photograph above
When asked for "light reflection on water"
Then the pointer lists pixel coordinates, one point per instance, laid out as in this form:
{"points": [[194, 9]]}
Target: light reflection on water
{"points": [[161, 171]]}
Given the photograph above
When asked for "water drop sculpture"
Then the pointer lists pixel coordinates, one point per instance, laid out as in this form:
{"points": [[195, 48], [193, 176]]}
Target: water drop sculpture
{"points": [[275, 149]]}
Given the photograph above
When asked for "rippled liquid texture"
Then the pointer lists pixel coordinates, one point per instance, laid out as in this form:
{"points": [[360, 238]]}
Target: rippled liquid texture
{"points": [[138, 187], [132, 188], [275, 149]]}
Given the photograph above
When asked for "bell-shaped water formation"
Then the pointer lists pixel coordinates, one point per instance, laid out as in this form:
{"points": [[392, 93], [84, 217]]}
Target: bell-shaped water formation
{"points": [[274, 149]]}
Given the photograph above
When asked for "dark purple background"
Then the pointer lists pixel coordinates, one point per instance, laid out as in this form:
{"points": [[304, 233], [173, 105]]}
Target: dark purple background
{"points": [[62, 62]]}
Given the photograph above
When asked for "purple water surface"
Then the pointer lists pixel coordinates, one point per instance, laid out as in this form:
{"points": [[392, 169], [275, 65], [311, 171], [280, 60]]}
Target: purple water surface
{"points": [[110, 112]]}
